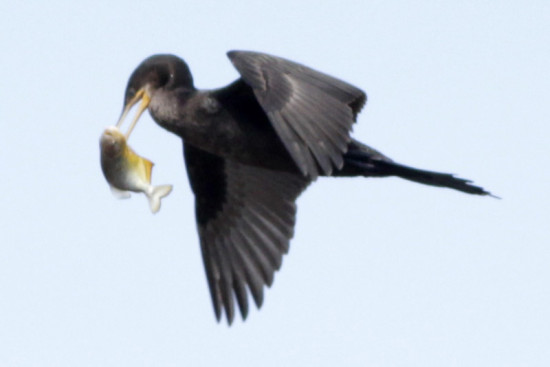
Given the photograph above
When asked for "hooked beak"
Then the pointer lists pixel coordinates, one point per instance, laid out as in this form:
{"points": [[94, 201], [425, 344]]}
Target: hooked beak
{"points": [[145, 100]]}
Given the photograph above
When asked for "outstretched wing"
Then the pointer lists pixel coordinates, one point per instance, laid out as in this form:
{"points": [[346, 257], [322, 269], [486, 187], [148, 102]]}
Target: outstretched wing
{"points": [[311, 112], [245, 217]]}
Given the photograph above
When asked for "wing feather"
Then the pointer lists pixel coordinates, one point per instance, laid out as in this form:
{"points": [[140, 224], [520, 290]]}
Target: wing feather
{"points": [[245, 220], [312, 112]]}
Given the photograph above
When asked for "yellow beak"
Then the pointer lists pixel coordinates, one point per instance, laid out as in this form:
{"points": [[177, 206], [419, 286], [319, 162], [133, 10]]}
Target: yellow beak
{"points": [[145, 100]]}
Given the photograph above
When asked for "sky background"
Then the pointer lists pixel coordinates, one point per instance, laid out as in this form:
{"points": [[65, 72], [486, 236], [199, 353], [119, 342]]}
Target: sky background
{"points": [[381, 272]]}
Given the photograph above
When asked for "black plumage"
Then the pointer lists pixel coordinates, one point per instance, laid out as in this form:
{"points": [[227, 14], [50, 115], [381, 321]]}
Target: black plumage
{"points": [[250, 149]]}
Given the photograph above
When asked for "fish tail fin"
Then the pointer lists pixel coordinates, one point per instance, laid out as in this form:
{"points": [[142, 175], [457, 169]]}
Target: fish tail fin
{"points": [[157, 193]]}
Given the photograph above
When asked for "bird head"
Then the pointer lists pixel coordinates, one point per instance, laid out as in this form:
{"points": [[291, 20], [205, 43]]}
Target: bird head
{"points": [[154, 73]]}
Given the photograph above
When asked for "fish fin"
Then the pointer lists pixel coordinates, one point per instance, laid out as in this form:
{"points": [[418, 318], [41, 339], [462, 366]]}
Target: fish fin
{"points": [[157, 193], [121, 194], [148, 168]]}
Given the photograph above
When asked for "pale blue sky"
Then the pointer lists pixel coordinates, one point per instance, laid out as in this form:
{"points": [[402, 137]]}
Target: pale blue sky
{"points": [[381, 272]]}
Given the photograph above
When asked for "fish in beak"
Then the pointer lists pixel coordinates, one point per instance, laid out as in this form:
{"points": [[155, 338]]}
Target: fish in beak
{"points": [[126, 171]]}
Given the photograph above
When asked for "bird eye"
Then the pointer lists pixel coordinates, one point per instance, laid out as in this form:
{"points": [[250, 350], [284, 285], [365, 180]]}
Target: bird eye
{"points": [[163, 78]]}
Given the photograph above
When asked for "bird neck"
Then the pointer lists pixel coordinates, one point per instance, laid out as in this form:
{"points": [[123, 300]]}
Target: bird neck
{"points": [[167, 108]]}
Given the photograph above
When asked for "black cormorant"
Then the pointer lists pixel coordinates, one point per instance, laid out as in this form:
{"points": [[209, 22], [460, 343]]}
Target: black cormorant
{"points": [[250, 149]]}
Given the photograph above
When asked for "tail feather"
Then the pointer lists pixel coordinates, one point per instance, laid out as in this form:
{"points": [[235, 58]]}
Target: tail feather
{"points": [[157, 193], [366, 161], [431, 178]]}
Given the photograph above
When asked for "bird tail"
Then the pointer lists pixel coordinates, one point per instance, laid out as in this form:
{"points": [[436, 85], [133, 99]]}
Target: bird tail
{"points": [[157, 193], [365, 161]]}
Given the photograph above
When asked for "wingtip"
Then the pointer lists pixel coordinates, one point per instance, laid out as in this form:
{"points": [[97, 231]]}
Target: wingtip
{"points": [[230, 320], [218, 314], [244, 314]]}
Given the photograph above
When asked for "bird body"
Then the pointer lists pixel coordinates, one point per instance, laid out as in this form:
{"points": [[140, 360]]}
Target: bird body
{"points": [[126, 171], [227, 123], [250, 149]]}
